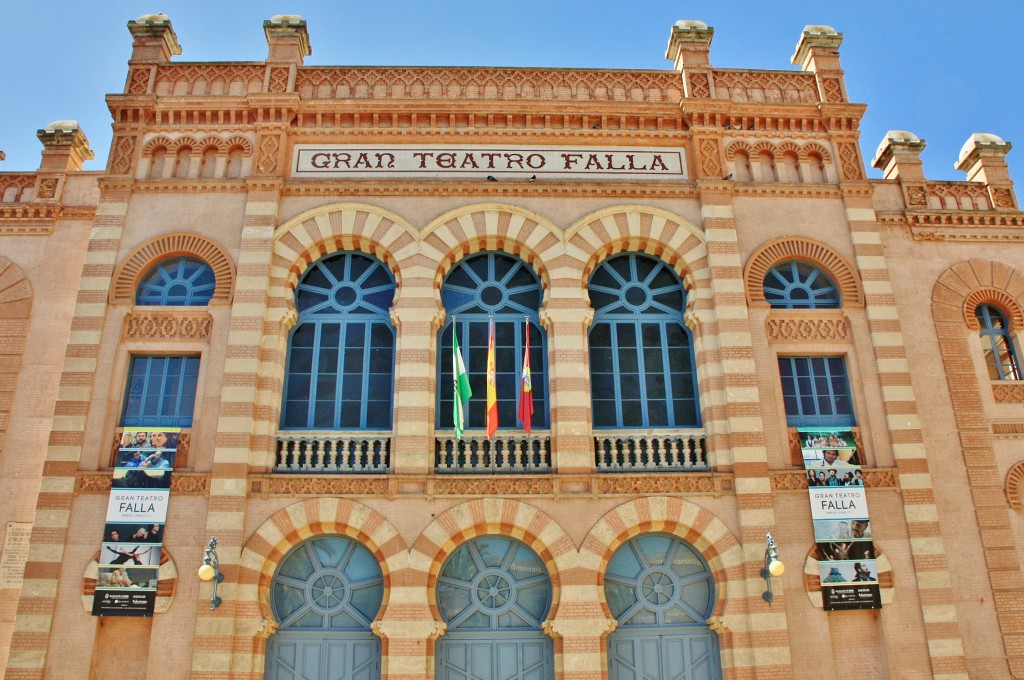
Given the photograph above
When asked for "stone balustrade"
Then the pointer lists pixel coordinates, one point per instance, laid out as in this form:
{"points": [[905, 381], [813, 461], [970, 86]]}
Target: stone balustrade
{"points": [[333, 452], [515, 452], [651, 451]]}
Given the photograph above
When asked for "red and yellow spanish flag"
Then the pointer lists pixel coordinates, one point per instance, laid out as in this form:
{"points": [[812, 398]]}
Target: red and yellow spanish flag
{"points": [[526, 388], [492, 386]]}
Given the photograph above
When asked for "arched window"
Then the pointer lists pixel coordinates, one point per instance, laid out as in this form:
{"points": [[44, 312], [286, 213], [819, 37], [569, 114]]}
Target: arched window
{"points": [[766, 162], [502, 287], [325, 594], [742, 167], [998, 344], [158, 160], [641, 354], [661, 593], [341, 353], [209, 164], [184, 281], [797, 285]]}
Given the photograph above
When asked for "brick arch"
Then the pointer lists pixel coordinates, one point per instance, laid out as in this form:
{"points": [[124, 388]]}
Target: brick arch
{"points": [[15, 292], [176, 244], [492, 226], [644, 229], [1001, 299], [182, 142], [789, 147], [671, 515], [315, 233], [288, 527], [733, 148], [818, 149], [491, 517], [1013, 485], [965, 285], [155, 143], [240, 142], [766, 147], [851, 293]]}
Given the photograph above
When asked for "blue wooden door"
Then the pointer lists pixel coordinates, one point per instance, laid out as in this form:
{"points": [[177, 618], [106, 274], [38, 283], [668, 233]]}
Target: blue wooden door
{"points": [[676, 656], [494, 593], [488, 659], [325, 594], [661, 592], [317, 656]]}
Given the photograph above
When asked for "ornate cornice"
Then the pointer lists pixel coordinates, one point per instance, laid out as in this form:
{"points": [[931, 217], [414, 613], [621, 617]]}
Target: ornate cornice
{"points": [[958, 225], [482, 188]]}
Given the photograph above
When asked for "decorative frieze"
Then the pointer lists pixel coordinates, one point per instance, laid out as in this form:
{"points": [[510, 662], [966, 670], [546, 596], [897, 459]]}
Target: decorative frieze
{"points": [[167, 325], [801, 327]]}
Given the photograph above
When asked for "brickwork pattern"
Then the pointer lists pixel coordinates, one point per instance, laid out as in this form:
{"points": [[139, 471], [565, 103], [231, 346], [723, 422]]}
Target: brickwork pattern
{"points": [[961, 288]]}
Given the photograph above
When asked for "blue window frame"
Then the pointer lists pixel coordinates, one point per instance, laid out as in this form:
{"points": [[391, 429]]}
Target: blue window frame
{"points": [[998, 344], [798, 285], [816, 392], [476, 289], [341, 353], [641, 353], [161, 391], [182, 281]]}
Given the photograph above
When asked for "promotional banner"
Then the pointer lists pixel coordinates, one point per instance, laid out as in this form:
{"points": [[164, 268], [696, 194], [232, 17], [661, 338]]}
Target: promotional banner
{"points": [[842, 527], [133, 534]]}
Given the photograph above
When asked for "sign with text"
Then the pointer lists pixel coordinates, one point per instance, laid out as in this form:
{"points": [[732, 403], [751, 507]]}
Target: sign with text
{"points": [[842, 529], [130, 552], [486, 162]]}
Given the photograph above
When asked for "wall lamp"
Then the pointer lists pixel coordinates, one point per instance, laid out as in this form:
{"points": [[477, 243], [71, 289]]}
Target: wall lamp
{"points": [[210, 571], [773, 566]]}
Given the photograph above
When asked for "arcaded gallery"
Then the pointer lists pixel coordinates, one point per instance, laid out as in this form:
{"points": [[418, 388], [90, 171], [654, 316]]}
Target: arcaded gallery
{"points": [[507, 373]]}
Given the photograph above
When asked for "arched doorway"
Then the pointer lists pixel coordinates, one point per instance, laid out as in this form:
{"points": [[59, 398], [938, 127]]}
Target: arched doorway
{"points": [[494, 593], [326, 592], [661, 592]]}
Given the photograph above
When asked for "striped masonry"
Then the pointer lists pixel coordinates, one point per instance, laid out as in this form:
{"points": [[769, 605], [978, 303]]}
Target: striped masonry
{"points": [[945, 647]]}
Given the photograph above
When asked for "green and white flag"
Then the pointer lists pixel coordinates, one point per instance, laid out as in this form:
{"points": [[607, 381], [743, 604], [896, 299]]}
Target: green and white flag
{"points": [[461, 384]]}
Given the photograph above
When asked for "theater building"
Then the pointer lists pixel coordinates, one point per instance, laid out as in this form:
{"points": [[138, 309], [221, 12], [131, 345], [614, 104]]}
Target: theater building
{"points": [[708, 299]]}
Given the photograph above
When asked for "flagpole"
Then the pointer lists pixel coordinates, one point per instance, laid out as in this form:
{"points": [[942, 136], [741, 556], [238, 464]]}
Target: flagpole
{"points": [[492, 383]]}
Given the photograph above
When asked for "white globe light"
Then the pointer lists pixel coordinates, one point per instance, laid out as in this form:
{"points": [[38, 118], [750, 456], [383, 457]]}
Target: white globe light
{"points": [[776, 568], [207, 572]]}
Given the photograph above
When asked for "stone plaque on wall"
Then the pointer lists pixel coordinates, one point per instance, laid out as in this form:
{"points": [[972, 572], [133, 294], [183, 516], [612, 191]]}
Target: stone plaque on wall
{"points": [[12, 561]]}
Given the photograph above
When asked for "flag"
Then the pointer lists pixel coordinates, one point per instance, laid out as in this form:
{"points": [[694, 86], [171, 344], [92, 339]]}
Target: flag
{"points": [[492, 386], [461, 384], [526, 388]]}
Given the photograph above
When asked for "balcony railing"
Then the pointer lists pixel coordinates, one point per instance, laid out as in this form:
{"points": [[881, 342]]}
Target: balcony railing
{"points": [[651, 451], [512, 453], [334, 452]]}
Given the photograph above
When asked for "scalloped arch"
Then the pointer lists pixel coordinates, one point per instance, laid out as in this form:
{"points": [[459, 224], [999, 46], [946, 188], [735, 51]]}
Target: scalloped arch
{"points": [[637, 228], [306, 238], [1013, 483], [789, 147], [493, 516], [129, 273], [291, 525], [15, 291], [961, 288], [851, 292], [492, 226], [672, 515]]}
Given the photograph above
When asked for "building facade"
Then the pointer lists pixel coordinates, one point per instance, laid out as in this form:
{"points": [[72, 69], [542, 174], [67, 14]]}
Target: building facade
{"points": [[689, 267]]}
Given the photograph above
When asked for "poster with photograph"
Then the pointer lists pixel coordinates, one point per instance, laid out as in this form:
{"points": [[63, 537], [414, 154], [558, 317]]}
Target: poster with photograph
{"points": [[132, 540], [842, 526]]}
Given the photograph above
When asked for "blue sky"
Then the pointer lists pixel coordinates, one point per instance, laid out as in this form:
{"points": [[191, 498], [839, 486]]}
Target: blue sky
{"points": [[939, 69]]}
